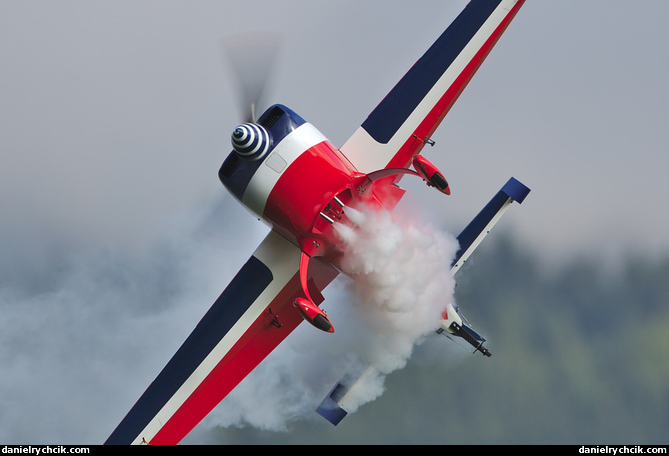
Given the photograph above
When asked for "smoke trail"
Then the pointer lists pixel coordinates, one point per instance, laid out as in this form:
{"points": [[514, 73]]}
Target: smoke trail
{"points": [[82, 338], [402, 283], [399, 283], [83, 332]]}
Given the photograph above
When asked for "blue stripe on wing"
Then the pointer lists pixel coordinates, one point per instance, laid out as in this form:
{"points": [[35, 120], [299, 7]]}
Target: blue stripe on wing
{"points": [[241, 293], [396, 107]]}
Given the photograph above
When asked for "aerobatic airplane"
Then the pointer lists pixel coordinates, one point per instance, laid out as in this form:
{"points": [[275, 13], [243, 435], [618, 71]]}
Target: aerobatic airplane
{"points": [[291, 176]]}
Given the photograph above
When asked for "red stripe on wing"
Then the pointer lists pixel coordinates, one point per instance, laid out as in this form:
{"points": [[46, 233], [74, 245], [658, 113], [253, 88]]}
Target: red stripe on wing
{"points": [[415, 144]]}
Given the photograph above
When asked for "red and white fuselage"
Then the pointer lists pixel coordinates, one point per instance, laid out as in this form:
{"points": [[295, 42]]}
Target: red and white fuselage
{"points": [[302, 183]]}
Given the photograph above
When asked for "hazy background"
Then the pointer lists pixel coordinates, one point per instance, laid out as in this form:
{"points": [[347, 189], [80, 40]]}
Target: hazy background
{"points": [[116, 235]]}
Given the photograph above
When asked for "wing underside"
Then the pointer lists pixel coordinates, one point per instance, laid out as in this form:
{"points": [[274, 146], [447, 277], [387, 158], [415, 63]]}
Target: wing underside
{"points": [[402, 123], [250, 318]]}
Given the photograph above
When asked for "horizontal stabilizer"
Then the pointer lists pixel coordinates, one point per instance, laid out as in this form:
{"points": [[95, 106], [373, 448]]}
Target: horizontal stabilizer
{"points": [[481, 225], [515, 190], [330, 409], [333, 406]]}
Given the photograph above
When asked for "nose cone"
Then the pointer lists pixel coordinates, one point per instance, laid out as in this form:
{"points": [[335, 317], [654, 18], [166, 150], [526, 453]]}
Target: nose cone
{"points": [[251, 141]]}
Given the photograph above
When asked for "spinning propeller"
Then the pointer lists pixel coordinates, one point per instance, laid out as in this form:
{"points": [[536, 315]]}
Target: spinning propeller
{"points": [[251, 58]]}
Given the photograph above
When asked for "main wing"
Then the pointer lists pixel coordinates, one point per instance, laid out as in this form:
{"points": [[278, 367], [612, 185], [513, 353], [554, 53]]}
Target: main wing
{"points": [[403, 122], [250, 318]]}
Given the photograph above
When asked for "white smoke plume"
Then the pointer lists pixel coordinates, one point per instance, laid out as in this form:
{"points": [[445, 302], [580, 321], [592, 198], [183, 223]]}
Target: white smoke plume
{"points": [[402, 283], [398, 285]]}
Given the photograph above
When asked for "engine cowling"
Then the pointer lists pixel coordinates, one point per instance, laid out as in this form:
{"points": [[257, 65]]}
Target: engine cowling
{"points": [[251, 141]]}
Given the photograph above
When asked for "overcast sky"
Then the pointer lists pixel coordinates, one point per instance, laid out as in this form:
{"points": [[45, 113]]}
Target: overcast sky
{"points": [[115, 117]]}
